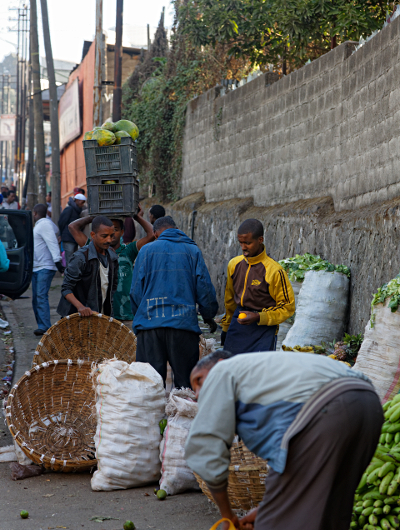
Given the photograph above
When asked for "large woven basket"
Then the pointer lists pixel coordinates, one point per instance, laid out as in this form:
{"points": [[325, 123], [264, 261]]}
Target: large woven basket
{"points": [[93, 338], [246, 482], [51, 414]]}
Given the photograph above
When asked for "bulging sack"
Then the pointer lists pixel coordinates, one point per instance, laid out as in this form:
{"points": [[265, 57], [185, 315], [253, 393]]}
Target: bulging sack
{"points": [[379, 355], [322, 309], [177, 477], [130, 403], [285, 326]]}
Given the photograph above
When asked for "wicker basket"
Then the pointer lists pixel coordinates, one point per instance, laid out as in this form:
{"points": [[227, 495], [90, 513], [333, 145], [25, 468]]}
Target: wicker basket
{"points": [[92, 339], [246, 482], [51, 414]]}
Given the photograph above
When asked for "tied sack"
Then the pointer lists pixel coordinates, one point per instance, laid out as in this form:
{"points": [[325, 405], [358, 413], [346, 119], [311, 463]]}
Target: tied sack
{"points": [[177, 477], [287, 324], [322, 309], [130, 403], [379, 355]]}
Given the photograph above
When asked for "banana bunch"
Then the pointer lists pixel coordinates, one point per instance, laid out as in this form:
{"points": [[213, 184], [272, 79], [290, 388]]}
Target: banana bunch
{"points": [[377, 501]]}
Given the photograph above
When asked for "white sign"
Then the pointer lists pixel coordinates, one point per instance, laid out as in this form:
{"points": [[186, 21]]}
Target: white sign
{"points": [[7, 127], [69, 115]]}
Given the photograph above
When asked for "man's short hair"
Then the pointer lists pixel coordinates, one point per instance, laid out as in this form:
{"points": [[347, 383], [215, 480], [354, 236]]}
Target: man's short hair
{"points": [[252, 226], [211, 360], [99, 221], [41, 210], [164, 222], [120, 222], [157, 211]]}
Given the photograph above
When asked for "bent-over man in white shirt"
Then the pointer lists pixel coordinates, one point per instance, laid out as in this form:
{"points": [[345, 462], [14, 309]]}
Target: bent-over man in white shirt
{"points": [[46, 260]]}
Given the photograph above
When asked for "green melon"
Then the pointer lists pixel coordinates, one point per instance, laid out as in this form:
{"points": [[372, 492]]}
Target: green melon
{"points": [[121, 134], [109, 125], [103, 137], [88, 135], [129, 127]]}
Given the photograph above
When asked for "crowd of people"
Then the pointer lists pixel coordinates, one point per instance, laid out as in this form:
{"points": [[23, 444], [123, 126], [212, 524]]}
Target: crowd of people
{"points": [[304, 413]]}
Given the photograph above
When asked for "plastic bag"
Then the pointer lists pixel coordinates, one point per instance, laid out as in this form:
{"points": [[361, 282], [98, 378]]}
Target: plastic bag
{"points": [[19, 472], [177, 477], [130, 403], [322, 309], [206, 346], [21, 456], [379, 355]]}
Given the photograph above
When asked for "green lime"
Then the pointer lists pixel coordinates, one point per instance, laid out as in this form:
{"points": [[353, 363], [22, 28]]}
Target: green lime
{"points": [[128, 525], [24, 514], [161, 495]]}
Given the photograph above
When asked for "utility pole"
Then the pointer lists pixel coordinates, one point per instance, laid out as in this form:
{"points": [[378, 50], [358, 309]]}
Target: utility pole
{"points": [[148, 38], [55, 139], [30, 187], [17, 124], [98, 67], [37, 106], [1, 143], [117, 92]]}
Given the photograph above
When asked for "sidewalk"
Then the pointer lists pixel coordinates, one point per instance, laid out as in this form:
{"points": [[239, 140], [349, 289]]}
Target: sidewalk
{"points": [[64, 500]]}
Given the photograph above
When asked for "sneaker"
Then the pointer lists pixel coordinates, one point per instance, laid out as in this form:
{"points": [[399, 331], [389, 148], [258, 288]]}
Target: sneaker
{"points": [[39, 332]]}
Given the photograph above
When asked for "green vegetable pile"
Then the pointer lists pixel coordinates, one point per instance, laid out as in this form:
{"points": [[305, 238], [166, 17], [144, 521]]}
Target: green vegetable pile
{"points": [[390, 289], [298, 266], [376, 503]]}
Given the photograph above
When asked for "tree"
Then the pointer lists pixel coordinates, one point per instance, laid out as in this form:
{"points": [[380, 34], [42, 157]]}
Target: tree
{"points": [[280, 31]]}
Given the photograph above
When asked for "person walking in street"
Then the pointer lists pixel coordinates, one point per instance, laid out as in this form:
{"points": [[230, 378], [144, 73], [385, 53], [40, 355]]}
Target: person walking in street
{"points": [[46, 261], [126, 258], [169, 279], [70, 213], [258, 287], [10, 203], [4, 261], [48, 202], [316, 421], [91, 277], [156, 212]]}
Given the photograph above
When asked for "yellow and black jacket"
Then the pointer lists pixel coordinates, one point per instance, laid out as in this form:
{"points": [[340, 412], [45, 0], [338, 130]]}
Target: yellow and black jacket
{"points": [[258, 284]]}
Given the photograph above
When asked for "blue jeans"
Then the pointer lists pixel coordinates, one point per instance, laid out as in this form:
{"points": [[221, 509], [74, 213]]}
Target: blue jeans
{"points": [[41, 281]]}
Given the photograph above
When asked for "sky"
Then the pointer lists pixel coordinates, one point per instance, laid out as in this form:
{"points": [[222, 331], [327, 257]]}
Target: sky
{"points": [[73, 21]]}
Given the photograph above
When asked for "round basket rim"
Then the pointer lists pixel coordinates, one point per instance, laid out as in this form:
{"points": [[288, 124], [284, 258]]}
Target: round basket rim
{"points": [[29, 451]]}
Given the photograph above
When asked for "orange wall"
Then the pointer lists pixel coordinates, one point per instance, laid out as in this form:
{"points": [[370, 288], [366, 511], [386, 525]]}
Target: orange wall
{"points": [[73, 172]]}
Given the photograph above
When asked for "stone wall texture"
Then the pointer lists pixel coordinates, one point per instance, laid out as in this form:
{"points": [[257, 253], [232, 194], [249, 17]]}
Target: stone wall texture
{"points": [[365, 239], [331, 128]]}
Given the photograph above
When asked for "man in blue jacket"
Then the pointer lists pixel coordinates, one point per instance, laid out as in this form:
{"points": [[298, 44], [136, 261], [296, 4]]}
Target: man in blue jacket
{"points": [[169, 279]]}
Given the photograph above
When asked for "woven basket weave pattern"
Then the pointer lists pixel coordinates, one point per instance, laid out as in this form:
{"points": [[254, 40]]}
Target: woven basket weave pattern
{"points": [[51, 414], [93, 339], [246, 482]]}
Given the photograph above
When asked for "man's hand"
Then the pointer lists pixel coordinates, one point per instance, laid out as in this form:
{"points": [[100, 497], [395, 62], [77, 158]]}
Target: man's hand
{"points": [[250, 318], [247, 522], [84, 311], [140, 212], [235, 521], [211, 322], [60, 268]]}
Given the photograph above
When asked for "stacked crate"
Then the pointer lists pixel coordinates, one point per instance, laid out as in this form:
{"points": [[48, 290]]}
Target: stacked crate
{"points": [[111, 176]]}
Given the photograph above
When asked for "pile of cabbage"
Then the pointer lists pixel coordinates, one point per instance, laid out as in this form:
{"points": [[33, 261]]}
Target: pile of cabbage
{"points": [[298, 266]]}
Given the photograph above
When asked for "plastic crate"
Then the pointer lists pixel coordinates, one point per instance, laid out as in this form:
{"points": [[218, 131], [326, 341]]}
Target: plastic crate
{"points": [[115, 197], [110, 160]]}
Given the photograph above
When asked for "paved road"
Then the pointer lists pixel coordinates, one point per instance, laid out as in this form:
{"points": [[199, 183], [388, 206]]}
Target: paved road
{"points": [[58, 500]]}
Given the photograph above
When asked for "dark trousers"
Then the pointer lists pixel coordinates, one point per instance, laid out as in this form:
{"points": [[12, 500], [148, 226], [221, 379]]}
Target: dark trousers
{"points": [[249, 339], [325, 464], [177, 346]]}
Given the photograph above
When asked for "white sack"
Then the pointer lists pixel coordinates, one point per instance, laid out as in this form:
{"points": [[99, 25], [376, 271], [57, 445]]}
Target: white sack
{"points": [[321, 310], [285, 326], [379, 355], [130, 403], [7, 454], [21, 456], [177, 477]]}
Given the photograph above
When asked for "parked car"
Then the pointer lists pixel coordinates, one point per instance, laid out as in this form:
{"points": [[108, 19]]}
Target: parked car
{"points": [[16, 233]]}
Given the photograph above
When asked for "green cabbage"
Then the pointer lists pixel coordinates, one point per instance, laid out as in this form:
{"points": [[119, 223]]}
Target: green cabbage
{"points": [[390, 289], [298, 266]]}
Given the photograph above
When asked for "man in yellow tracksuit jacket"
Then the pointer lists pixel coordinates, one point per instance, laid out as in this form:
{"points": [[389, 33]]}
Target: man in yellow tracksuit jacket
{"points": [[258, 287]]}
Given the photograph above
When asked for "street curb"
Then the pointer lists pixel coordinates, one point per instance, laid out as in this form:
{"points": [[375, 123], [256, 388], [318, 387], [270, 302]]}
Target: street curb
{"points": [[19, 346]]}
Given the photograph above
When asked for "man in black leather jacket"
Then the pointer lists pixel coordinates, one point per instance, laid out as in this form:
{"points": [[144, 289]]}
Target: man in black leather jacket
{"points": [[91, 277]]}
